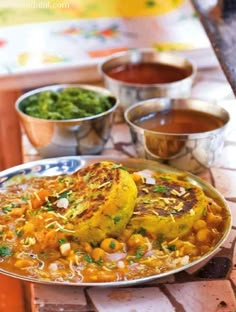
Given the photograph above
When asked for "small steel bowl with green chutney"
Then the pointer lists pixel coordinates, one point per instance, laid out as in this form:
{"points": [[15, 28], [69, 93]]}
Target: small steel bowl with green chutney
{"points": [[67, 120]]}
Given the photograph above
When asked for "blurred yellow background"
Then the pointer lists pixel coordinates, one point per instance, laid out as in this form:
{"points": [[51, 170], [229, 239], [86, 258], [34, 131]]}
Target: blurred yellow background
{"points": [[28, 11]]}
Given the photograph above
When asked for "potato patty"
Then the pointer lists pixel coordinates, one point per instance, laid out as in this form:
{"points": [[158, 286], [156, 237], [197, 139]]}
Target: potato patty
{"points": [[106, 199], [168, 207]]}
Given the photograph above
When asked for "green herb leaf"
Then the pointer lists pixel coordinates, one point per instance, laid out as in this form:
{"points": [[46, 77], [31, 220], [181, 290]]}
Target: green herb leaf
{"points": [[139, 252], [165, 178], [116, 166], [19, 233], [62, 241], [130, 261], [116, 219], [171, 247], [204, 213], [5, 251], [24, 199], [99, 262], [112, 245], [6, 209], [88, 259], [161, 188], [64, 194], [141, 231], [160, 240]]}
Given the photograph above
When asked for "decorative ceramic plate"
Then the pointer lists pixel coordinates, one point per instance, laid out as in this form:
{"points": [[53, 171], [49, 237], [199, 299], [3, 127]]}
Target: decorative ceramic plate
{"points": [[69, 165]]}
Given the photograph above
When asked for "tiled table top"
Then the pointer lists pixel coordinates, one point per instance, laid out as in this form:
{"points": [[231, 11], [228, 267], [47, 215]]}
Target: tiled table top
{"points": [[208, 287]]}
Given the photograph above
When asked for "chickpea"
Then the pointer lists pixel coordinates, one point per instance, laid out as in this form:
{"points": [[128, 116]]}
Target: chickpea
{"points": [[90, 274], [106, 276], [199, 224], [215, 208], [69, 226], [213, 219], [29, 228], [86, 247], [98, 254], [125, 235], [111, 245], [136, 177], [190, 249], [204, 249], [204, 235], [136, 240], [191, 238], [23, 263], [178, 243]]}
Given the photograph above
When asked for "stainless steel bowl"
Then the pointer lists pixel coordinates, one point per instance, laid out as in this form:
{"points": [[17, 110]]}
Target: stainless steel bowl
{"points": [[131, 93], [82, 136], [186, 151]]}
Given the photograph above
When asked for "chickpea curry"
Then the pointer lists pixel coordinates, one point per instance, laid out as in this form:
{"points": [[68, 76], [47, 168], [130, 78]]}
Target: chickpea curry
{"points": [[105, 223]]}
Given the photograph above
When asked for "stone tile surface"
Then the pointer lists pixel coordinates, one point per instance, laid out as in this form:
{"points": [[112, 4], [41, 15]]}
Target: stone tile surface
{"points": [[150, 299], [207, 296]]}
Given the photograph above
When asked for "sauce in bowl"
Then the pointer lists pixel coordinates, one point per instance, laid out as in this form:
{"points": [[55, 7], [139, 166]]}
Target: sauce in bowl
{"points": [[147, 73], [179, 121]]}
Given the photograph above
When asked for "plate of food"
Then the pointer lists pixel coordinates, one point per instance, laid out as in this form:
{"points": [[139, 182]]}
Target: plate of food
{"points": [[99, 221]]}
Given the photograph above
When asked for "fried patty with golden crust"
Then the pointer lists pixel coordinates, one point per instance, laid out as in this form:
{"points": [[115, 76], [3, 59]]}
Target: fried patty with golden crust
{"points": [[106, 196], [169, 207]]}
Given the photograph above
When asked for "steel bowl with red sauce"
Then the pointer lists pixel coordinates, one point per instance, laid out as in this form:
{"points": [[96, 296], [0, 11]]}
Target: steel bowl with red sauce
{"points": [[141, 74]]}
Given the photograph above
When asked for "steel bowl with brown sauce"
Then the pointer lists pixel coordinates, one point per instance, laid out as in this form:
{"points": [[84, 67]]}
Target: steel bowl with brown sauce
{"points": [[141, 74], [185, 133]]}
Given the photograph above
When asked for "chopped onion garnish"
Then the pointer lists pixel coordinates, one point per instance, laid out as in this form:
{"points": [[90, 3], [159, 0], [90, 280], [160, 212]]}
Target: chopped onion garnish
{"points": [[150, 180], [63, 203], [120, 264], [116, 256], [145, 173], [53, 267]]}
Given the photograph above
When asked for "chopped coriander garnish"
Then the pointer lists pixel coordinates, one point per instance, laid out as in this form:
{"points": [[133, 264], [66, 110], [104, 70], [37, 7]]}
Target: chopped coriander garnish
{"points": [[62, 241], [5, 251], [19, 233], [116, 166], [112, 245], [142, 231], [165, 178], [204, 213], [130, 261], [6, 209], [161, 188], [99, 262], [116, 219], [51, 226], [64, 194], [111, 266], [139, 252], [88, 259], [171, 247], [160, 240], [24, 199]]}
